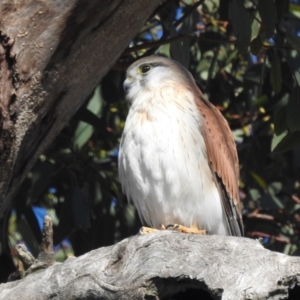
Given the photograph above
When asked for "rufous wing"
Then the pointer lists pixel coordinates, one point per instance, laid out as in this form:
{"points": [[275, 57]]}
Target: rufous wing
{"points": [[222, 153]]}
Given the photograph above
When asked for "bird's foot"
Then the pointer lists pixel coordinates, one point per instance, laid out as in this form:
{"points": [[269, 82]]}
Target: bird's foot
{"points": [[145, 230], [181, 228]]}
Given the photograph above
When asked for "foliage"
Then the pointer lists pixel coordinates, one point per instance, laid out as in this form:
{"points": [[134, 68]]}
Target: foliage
{"points": [[244, 55]]}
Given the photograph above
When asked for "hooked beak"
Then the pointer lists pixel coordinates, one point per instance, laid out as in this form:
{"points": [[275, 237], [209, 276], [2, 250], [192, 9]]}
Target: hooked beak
{"points": [[126, 85]]}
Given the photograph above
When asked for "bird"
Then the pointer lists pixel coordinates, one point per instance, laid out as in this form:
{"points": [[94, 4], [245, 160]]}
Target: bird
{"points": [[177, 161]]}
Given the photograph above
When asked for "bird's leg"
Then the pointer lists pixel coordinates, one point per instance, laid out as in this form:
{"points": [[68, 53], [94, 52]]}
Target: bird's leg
{"points": [[193, 229], [145, 230]]}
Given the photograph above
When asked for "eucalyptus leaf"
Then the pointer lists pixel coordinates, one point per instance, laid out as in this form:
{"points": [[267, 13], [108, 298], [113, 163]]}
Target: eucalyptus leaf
{"points": [[288, 142], [259, 180], [280, 120], [96, 102], [275, 74], [254, 194], [268, 13], [82, 134], [255, 26], [241, 24], [90, 115], [277, 138], [262, 100], [275, 187], [232, 55]]}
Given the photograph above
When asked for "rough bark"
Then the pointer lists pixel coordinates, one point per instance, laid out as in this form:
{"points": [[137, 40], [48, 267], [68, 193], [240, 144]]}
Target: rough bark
{"points": [[161, 265], [52, 55]]}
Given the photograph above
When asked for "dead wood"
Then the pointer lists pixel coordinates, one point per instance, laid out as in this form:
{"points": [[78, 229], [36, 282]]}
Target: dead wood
{"points": [[161, 266]]}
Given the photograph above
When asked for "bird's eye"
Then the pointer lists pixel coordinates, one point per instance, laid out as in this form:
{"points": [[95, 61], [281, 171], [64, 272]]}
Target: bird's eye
{"points": [[145, 69]]}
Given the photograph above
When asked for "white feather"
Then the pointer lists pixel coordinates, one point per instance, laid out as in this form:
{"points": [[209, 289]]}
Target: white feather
{"points": [[163, 164]]}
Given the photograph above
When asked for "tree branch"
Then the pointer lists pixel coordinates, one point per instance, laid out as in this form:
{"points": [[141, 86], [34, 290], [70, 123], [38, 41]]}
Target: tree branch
{"points": [[160, 265], [52, 55]]}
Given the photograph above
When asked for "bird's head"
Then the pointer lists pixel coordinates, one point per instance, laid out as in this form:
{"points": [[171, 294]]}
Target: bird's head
{"points": [[152, 73]]}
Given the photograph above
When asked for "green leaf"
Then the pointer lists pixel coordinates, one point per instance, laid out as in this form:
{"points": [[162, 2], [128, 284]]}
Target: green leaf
{"points": [[82, 134], [288, 142], [210, 7], [254, 194], [275, 74], [255, 26], [293, 110], [84, 130], [275, 187], [164, 50], [268, 13], [96, 102], [277, 139], [260, 101], [238, 135], [241, 25], [259, 180], [280, 121], [203, 65], [232, 55], [295, 9], [270, 200]]}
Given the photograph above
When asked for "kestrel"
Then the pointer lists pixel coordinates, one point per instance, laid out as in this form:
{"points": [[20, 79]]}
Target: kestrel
{"points": [[177, 161]]}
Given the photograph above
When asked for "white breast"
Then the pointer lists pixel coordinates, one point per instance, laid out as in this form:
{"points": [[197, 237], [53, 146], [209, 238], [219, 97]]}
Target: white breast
{"points": [[163, 166]]}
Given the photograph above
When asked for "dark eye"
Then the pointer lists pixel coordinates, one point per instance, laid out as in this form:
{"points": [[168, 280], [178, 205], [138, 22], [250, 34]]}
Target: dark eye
{"points": [[145, 68]]}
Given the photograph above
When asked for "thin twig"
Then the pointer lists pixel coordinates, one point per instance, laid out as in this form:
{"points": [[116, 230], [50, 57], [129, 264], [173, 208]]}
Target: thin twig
{"points": [[254, 17], [194, 37]]}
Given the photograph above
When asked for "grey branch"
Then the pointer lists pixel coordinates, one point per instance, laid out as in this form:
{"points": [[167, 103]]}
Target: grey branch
{"points": [[24, 256], [160, 265], [46, 256], [27, 263]]}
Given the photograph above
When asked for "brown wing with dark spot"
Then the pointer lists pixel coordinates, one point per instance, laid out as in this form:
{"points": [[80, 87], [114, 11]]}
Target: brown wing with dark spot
{"points": [[222, 154]]}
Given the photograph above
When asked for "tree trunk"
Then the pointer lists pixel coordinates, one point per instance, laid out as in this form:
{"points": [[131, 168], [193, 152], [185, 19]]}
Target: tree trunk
{"points": [[167, 265], [52, 55]]}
